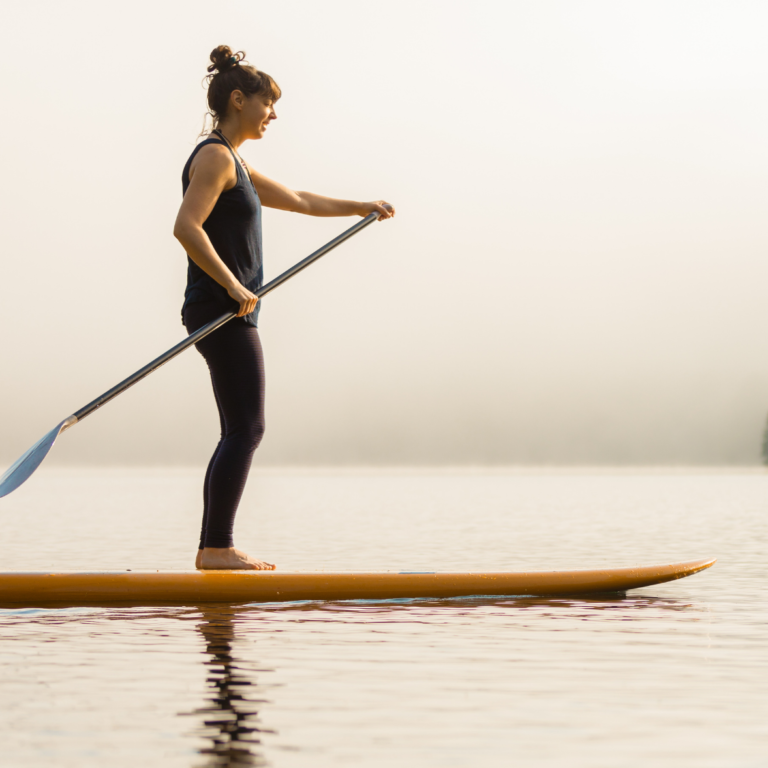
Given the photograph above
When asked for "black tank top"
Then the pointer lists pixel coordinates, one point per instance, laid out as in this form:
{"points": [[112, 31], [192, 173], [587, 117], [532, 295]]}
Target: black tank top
{"points": [[234, 227]]}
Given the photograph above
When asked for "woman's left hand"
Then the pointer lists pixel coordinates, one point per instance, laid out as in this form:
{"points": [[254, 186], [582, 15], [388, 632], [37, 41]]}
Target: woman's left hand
{"points": [[387, 210]]}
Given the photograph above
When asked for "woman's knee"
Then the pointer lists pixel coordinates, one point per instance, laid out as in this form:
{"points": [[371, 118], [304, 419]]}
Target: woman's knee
{"points": [[256, 434], [248, 434]]}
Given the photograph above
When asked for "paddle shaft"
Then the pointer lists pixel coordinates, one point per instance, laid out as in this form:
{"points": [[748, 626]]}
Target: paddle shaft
{"points": [[201, 333]]}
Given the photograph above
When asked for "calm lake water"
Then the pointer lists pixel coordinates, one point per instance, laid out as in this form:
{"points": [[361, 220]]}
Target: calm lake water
{"points": [[674, 675]]}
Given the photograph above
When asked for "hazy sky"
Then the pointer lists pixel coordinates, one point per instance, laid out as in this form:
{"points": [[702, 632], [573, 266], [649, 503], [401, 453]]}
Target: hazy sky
{"points": [[577, 272]]}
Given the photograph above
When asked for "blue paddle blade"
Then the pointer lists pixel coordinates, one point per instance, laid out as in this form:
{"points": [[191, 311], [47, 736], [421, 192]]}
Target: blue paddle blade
{"points": [[23, 467]]}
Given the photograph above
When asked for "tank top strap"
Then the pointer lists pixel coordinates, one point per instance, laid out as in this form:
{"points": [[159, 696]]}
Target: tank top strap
{"points": [[238, 160]]}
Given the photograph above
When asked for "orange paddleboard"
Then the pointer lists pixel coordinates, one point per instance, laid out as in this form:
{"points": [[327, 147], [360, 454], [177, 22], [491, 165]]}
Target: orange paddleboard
{"points": [[35, 590]]}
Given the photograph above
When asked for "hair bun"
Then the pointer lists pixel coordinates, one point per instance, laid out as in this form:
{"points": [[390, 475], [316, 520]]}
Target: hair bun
{"points": [[223, 59]]}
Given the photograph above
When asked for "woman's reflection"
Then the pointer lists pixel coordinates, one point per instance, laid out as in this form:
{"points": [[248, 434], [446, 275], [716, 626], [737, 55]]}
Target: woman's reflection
{"points": [[231, 719]]}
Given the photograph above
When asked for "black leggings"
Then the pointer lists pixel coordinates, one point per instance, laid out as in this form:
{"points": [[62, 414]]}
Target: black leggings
{"points": [[235, 360]]}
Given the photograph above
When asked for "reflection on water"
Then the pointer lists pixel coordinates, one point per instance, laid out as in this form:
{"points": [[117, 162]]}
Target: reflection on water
{"points": [[334, 679], [597, 601], [230, 718], [230, 721]]}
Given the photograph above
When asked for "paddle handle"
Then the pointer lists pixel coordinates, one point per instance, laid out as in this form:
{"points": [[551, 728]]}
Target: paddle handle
{"points": [[201, 333]]}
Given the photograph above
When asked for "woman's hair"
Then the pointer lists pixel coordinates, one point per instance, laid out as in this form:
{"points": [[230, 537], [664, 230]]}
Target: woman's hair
{"points": [[228, 73]]}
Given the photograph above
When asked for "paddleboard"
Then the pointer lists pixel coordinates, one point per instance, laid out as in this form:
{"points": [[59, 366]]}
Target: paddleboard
{"points": [[139, 588]]}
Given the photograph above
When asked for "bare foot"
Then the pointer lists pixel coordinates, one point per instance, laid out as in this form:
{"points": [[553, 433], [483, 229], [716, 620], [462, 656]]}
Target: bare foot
{"points": [[229, 559], [199, 559]]}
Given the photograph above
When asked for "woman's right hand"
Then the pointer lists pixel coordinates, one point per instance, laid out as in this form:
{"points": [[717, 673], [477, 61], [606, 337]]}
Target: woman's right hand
{"points": [[244, 298]]}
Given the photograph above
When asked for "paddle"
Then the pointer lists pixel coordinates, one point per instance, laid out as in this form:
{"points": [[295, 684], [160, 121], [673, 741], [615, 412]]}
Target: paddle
{"points": [[23, 467]]}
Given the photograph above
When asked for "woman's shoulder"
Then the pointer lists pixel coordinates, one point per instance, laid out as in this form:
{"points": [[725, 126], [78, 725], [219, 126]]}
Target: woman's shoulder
{"points": [[212, 151], [212, 158]]}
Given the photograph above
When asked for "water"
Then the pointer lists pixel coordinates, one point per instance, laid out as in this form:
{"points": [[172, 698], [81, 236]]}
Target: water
{"points": [[670, 675]]}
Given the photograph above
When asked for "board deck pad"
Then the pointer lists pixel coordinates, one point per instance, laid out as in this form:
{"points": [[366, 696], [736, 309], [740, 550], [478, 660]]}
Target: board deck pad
{"points": [[176, 588]]}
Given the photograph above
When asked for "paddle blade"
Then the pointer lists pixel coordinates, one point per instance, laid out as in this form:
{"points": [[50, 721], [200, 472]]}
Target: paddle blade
{"points": [[23, 467]]}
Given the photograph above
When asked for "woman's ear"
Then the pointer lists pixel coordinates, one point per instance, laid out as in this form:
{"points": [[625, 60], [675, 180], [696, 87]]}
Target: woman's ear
{"points": [[237, 99]]}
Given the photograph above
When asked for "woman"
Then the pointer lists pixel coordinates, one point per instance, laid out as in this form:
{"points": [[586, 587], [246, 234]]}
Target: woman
{"points": [[219, 225]]}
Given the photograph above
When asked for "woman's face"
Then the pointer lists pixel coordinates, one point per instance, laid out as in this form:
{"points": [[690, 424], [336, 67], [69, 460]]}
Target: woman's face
{"points": [[257, 113]]}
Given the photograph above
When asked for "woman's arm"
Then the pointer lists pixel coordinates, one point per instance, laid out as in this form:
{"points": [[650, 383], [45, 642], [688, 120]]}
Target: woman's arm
{"points": [[276, 195], [213, 173]]}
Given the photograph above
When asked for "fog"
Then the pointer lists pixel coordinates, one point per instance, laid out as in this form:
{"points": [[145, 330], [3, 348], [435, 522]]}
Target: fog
{"points": [[577, 272]]}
